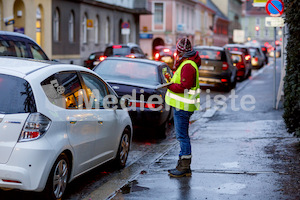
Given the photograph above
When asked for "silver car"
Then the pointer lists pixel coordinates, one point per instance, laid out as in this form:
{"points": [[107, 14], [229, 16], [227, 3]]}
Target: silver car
{"points": [[56, 124]]}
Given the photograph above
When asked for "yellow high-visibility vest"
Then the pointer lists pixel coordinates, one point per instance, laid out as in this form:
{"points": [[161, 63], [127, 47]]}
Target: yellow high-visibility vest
{"points": [[190, 99]]}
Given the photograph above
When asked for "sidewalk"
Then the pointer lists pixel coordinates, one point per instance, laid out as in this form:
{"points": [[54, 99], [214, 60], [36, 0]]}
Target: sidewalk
{"points": [[236, 155]]}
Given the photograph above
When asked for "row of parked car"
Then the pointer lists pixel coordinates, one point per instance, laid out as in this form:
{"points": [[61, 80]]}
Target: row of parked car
{"points": [[72, 119], [58, 121]]}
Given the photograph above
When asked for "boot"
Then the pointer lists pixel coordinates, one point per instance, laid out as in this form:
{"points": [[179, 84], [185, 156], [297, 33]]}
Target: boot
{"points": [[182, 169]]}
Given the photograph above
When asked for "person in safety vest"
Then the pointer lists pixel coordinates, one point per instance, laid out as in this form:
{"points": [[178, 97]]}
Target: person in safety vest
{"points": [[184, 96]]}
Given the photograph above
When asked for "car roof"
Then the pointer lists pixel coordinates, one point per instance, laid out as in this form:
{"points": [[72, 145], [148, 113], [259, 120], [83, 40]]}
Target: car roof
{"points": [[8, 33], [25, 66], [210, 47], [136, 60], [236, 45], [128, 44]]}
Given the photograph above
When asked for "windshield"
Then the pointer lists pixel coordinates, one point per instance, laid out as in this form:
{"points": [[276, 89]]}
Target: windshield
{"points": [[135, 72], [16, 95]]}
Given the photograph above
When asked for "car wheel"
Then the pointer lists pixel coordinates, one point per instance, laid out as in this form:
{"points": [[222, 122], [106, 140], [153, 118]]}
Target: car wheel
{"points": [[123, 150], [160, 131], [58, 178]]}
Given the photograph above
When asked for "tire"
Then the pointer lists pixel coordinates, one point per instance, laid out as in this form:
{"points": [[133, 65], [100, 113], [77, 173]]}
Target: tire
{"points": [[123, 150], [58, 178], [160, 132]]}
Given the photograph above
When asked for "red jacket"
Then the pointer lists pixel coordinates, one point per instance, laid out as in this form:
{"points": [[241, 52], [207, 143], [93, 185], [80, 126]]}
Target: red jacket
{"points": [[188, 74]]}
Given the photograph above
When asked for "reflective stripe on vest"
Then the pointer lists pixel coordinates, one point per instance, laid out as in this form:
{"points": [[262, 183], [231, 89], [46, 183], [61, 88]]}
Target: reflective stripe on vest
{"points": [[190, 99]]}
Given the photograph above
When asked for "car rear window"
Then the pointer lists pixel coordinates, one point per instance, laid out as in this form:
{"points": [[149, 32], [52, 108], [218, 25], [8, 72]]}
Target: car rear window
{"points": [[236, 58], [117, 51], [241, 49], [211, 54], [136, 72], [16, 95]]}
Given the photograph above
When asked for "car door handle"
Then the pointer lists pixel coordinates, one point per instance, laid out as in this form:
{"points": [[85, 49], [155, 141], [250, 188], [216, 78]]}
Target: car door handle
{"points": [[72, 120]]}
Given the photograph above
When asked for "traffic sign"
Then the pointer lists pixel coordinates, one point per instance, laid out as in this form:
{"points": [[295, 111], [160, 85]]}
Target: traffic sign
{"points": [[274, 22], [125, 25], [275, 8], [259, 3]]}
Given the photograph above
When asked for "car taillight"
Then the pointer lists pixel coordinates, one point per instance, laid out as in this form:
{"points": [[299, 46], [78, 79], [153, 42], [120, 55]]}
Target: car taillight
{"points": [[175, 55], [139, 104], [117, 46], [225, 66], [240, 66], [204, 56], [247, 57], [35, 127], [166, 50], [156, 56], [256, 59], [101, 58], [130, 56]]}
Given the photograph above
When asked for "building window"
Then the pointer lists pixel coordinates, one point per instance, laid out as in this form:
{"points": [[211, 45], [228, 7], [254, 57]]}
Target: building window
{"points": [[107, 31], [187, 18], [257, 33], [84, 29], [267, 33], [158, 13], [193, 20], [38, 25], [56, 25], [71, 27], [182, 15], [177, 15], [257, 21], [96, 25]]}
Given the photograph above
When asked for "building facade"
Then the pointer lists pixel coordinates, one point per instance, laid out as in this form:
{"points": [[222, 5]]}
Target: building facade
{"points": [[232, 9], [174, 19], [253, 23], [69, 30], [88, 26], [30, 17], [220, 26]]}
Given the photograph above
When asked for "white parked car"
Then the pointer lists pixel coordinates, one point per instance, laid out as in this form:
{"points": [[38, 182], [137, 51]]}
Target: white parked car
{"points": [[54, 125]]}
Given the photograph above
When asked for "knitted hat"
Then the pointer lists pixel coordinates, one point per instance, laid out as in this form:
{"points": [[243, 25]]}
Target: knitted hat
{"points": [[183, 45]]}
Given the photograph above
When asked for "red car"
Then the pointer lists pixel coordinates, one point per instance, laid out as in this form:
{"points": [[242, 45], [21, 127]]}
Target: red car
{"points": [[243, 67]]}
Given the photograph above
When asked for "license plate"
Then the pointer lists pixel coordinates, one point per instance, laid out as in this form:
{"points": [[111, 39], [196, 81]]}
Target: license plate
{"points": [[166, 59], [210, 68], [96, 62]]}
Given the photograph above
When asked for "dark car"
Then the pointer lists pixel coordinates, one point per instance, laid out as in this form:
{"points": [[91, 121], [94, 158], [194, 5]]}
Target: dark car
{"points": [[257, 57], [129, 50], [19, 45], [242, 48], [216, 67], [94, 59], [138, 80], [165, 54], [243, 67], [265, 51]]}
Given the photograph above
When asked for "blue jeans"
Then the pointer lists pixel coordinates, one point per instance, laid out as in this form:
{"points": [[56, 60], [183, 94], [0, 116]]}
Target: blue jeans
{"points": [[181, 122]]}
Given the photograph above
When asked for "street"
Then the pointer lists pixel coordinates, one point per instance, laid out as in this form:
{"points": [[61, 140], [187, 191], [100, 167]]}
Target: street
{"points": [[248, 137]]}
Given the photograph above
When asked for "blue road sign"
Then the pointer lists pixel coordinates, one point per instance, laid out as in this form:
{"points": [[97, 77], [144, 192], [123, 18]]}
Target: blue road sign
{"points": [[274, 8]]}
